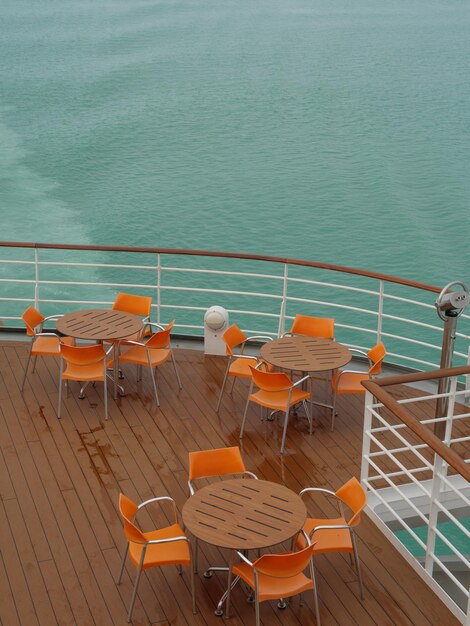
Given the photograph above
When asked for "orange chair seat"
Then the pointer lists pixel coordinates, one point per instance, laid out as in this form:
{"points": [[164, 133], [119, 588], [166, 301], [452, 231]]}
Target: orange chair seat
{"points": [[270, 587], [351, 383], [139, 355], [173, 553], [49, 346], [241, 367], [327, 540], [277, 400], [93, 371]]}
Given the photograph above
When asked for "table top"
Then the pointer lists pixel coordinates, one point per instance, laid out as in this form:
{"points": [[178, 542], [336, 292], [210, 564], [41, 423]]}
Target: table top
{"points": [[99, 324], [244, 514], [305, 354]]}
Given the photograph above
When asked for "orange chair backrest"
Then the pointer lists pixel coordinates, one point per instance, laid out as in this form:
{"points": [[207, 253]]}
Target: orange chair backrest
{"points": [[376, 355], [82, 355], [127, 508], [233, 337], [313, 326], [217, 462], [32, 318], [270, 381], [284, 565], [353, 494], [160, 339], [131, 303]]}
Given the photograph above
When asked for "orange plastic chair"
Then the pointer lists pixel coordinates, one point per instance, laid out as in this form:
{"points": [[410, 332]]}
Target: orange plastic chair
{"points": [[337, 535], [238, 365], [212, 463], [85, 364], [278, 393], [275, 576], [349, 381], [313, 326], [137, 305], [151, 353], [131, 303], [216, 462], [42, 343], [165, 546]]}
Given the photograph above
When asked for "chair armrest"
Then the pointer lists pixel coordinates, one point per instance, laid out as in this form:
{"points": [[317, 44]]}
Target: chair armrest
{"points": [[357, 351], [153, 324], [49, 333], [300, 381], [243, 558], [245, 356], [159, 500], [319, 489], [169, 540], [192, 489], [329, 527], [130, 342], [258, 337], [251, 474]]}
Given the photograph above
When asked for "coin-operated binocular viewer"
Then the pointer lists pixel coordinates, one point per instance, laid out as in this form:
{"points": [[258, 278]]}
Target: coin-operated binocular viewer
{"points": [[449, 305]]}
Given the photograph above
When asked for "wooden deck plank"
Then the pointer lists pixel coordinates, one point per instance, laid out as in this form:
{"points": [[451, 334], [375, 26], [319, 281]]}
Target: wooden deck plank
{"points": [[62, 479]]}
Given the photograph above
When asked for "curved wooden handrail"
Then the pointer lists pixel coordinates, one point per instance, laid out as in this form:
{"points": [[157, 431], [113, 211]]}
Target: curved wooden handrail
{"points": [[376, 388], [227, 255], [414, 377]]}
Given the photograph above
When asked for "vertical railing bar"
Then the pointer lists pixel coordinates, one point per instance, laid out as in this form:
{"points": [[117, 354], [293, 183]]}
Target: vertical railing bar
{"points": [[440, 467], [467, 621], [380, 310], [36, 278], [282, 313], [159, 278], [369, 399], [467, 381]]}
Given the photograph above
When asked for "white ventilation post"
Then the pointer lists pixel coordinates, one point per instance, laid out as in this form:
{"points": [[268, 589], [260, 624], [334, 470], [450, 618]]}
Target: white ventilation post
{"points": [[215, 324]]}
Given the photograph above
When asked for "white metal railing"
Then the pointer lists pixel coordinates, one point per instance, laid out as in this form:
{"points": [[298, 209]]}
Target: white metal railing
{"points": [[264, 293], [422, 507]]}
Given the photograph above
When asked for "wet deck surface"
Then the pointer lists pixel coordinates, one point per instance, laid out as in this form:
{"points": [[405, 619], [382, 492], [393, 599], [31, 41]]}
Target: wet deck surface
{"points": [[61, 535]]}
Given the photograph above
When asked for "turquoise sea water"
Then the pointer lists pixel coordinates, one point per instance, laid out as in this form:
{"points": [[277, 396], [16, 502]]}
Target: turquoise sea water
{"points": [[336, 131]]}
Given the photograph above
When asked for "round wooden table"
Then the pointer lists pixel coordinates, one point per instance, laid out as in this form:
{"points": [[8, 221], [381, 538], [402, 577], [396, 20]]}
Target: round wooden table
{"points": [[243, 514], [305, 354], [99, 324]]}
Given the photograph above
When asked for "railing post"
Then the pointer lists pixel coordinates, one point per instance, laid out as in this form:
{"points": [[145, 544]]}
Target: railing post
{"points": [[369, 399], [380, 310], [282, 315], [467, 621], [36, 278], [159, 278], [467, 381], [440, 467]]}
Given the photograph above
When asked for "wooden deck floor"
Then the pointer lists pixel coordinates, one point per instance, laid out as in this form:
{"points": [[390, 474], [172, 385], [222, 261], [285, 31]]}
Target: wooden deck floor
{"points": [[61, 535]]}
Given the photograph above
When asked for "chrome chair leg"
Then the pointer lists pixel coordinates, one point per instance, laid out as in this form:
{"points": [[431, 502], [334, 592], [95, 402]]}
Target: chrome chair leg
{"points": [[105, 396], [242, 429], [222, 388], [358, 565], [26, 369], [59, 406], [136, 584], [176, 371], [333, 411], [284, 432], [123, 562]]}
